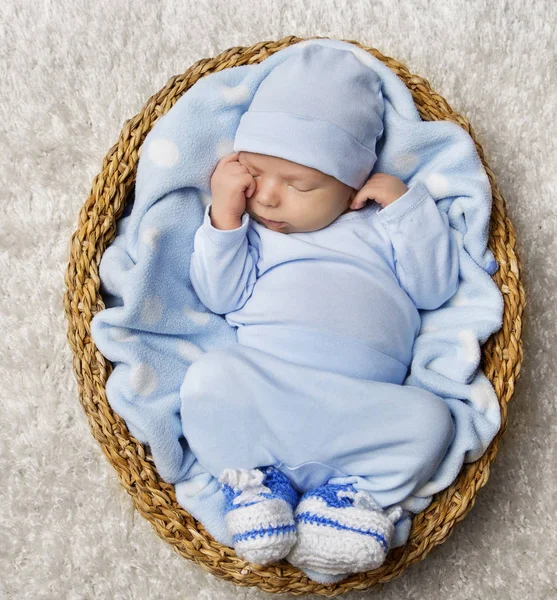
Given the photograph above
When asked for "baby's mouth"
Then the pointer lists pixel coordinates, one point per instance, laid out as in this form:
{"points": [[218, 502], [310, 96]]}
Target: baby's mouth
{"points": [[273, 223]]}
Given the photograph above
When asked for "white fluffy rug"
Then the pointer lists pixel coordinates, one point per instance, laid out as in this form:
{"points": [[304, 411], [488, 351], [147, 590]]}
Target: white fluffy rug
{"points": [[72, 72]]}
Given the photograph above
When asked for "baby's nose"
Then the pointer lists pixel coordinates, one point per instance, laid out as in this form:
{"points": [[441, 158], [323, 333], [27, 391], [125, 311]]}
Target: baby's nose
{"points": [[267, 195], [268, 201]]}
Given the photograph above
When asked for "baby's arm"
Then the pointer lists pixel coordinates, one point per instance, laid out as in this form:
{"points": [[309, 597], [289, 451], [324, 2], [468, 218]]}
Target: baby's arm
{"points": [[425, 251], [223, 265], [223, 268]]}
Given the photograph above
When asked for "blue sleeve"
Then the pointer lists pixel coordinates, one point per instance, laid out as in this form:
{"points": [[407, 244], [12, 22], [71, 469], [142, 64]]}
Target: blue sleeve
{"points": [[425, 252], [223, 265]]}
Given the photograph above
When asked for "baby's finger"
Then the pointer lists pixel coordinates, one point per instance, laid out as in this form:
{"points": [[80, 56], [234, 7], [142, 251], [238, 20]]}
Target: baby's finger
{"points": [[361, 198], [371, 189], [229, 158], [251, 186]]}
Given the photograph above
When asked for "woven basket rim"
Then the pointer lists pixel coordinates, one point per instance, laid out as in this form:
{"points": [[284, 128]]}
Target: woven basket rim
{"points": [[155, 499]]}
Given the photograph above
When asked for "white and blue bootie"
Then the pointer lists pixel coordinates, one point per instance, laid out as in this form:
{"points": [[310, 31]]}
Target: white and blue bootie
{"points": [[260, 513], [341, 530]]}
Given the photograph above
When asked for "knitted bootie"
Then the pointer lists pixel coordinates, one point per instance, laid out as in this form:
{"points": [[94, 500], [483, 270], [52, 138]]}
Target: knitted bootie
{"points": [[260, 513], [340, 531]]}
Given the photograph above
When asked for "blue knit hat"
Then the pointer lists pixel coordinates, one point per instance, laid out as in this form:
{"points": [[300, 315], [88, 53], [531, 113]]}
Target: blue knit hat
{"points": [[321, 108]]}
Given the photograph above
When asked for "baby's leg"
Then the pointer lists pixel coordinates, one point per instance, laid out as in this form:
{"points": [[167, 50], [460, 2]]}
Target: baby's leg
{"points": [[223, 428], [341, 527], [242, 408], [413, 433], [222, 412]]}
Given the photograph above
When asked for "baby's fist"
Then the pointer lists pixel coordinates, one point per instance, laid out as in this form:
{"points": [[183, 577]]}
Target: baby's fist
{"points": [[382, 188], [231, 184]]}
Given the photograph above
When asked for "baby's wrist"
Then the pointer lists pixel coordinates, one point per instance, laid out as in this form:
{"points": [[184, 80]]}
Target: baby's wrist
{"points": [[401, 190], [224, 221], [386, 202]]}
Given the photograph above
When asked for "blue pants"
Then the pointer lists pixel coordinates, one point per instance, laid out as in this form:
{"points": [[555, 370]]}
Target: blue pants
{"points": [[245, 408]]}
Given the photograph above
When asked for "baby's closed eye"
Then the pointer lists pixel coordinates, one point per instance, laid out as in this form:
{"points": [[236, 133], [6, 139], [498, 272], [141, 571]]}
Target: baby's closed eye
{"points": [[299, 189]]}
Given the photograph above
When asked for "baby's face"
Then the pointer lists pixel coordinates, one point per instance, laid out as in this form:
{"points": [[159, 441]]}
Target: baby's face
{"points": [[297, 198]]}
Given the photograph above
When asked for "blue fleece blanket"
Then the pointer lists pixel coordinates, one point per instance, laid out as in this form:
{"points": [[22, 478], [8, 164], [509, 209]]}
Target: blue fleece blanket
{"points": [[154, 325]]}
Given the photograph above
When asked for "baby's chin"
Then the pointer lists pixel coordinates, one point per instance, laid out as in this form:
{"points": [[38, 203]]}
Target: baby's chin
{"points": [[292, 229]]}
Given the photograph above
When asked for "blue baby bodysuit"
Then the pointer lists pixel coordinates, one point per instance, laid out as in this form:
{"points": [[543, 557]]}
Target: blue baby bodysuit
{"points": [[326, 321], [345, 297]]}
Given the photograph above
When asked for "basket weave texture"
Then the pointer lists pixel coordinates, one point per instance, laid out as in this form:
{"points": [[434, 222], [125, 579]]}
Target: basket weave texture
{"points": [[154, 498]]}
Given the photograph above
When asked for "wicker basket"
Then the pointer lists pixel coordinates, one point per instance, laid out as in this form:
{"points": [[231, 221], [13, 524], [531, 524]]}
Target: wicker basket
{"points": [[154, 498]]}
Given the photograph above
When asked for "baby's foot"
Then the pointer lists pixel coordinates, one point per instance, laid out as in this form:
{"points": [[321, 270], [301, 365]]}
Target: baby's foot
{"points": [[260, 513], [340, 531]]}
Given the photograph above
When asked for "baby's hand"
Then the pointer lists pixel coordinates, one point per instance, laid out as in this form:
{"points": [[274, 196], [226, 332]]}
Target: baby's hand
{"points": [[231, 183], [382, 188]]}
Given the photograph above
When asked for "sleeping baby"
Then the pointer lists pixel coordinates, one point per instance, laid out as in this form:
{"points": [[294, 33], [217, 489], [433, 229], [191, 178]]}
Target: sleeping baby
{"points": [[322, 267]]}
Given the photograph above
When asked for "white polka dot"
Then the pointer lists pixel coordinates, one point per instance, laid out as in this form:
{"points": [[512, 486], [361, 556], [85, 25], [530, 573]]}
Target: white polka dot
{"points": [[470, 346], [430, 488], [205, 198], [195, 380], [455, 212], [163, 153], [143, 380], [236, 95], [363, 56], [438, 365], [460, 298], [482, 175], [224, 147], [189, 351], [194, 485], [151, 311], [121, 334], [482, 394], [457, 152], [428, 329], [437, 185], [406, 163], [199, 318], [150, 236]]}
